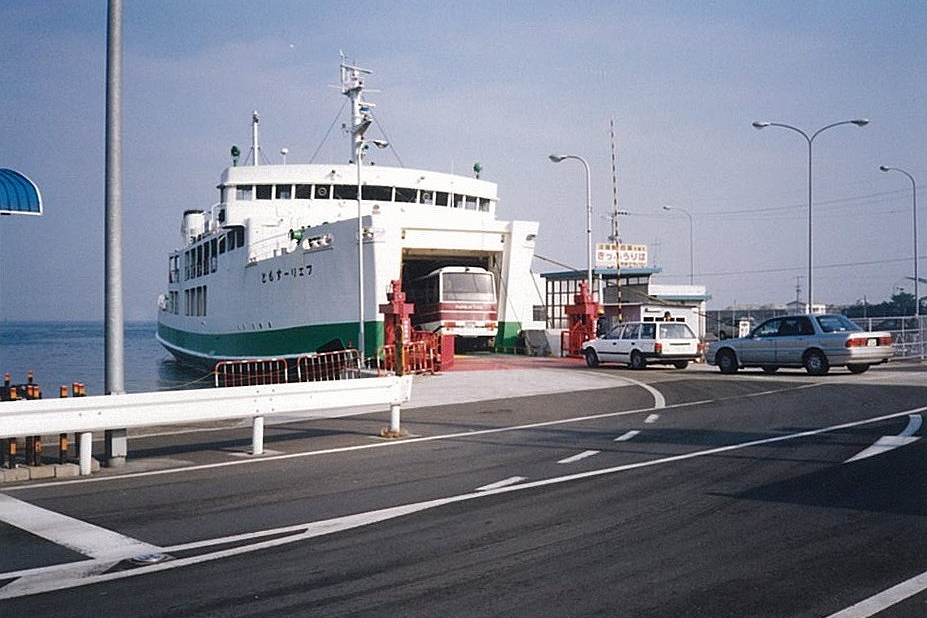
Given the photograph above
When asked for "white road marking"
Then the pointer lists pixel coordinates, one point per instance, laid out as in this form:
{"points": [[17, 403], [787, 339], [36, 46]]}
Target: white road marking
{"points": [[84, 538], [59, 577], [885, 599], [653, 418], [887, 443], [578, 456], [503, 483], [627, 435]]}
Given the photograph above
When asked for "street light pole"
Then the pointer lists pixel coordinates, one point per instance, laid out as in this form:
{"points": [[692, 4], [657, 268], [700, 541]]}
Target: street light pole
{"points": [[885, 168], [558, 159], [691, 252], [860, 122], [359, 157]]}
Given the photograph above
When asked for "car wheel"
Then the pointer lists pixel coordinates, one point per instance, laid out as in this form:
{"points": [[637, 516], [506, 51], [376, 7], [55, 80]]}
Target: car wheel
{"points": [[681, 364], [727, 362], [816, 363], [770, 369], [592, 359], [858, 368], [637, 360]]}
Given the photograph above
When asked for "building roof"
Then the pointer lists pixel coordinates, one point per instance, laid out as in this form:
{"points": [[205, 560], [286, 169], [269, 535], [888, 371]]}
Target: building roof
{"points": [[604, 273], [18, 194]]}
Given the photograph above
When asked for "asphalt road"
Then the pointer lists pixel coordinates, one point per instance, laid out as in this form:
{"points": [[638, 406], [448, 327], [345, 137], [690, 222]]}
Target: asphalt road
{"points": [[662, 494]]}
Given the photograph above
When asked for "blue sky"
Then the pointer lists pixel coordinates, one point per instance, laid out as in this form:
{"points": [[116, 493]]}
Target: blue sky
{"points": [[504, 84]]}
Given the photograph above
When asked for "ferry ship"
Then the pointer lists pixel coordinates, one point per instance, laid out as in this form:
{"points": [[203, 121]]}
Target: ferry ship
{"points": [[296, 258]]}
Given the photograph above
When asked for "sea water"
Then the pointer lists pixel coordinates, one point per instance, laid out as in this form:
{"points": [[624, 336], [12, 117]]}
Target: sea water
{"points": [[61, 353]]}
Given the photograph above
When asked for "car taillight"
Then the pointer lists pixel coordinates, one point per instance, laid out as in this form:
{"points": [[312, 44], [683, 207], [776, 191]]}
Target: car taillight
{"points": [[450, 324], [658, 348], [862, 342]]}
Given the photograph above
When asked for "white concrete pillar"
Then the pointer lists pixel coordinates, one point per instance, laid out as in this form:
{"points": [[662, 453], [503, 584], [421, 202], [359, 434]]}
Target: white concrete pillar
{"points": [[86, 452]]}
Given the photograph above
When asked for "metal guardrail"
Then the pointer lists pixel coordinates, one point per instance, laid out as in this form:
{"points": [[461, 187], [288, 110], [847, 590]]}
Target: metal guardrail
{"points": [[85, 415]]}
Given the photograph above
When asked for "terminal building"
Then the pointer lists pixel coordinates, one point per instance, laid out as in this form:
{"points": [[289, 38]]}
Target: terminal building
{"points": [[626, 294]]}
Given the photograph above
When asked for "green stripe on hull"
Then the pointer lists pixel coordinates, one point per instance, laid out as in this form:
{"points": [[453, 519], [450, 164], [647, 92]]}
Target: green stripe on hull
{"points": [[268, 343]]}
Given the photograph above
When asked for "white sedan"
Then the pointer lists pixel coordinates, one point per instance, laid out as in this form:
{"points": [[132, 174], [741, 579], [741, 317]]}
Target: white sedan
{"points": [[639, 344], [816, 342]]}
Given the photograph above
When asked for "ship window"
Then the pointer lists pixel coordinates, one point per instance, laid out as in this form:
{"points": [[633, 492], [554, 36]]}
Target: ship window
{"points": [[441, 198], [239, 237], [404, 194], [243, 192], [484, 204], [458, 201], [214, 244], [263, 192], [471, 202], [344, 192], [222, 191], [427, 197], [378, 193], [284, 192], [221, 245], [222, 215], [323, 192], [303, 192]]}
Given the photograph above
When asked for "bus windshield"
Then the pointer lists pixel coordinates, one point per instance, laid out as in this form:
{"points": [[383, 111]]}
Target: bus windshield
{"points": [[469, 287]]}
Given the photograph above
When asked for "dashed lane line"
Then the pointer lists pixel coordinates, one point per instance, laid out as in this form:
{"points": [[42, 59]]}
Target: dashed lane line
{"points": [[512, 480], [578, 457]]}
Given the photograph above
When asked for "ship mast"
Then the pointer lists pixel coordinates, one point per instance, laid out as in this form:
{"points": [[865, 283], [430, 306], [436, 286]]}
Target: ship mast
{"points": [[352, 86]]}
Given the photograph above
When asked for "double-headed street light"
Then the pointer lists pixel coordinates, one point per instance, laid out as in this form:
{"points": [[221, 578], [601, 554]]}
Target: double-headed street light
{"points": [[885, 168], [558, 159], [860, 122], [691, 261]]}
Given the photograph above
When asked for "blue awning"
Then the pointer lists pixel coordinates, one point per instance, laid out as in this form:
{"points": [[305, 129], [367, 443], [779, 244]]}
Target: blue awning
{"points": [[18, 194]]}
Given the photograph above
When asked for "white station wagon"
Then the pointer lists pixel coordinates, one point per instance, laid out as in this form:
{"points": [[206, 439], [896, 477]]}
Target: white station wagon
{"points": [[639, 344]]}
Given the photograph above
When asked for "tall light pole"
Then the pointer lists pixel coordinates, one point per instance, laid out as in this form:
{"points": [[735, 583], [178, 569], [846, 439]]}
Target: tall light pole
{"points": [[860, 122], [688, 214], [885, 168], [362, 145], [558, 159]]}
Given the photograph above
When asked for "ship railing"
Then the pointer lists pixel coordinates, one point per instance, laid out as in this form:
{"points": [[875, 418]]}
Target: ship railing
{"points": [[337, 365]]}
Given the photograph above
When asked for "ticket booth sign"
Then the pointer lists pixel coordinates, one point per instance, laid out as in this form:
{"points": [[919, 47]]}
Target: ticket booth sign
{"points": [[629, 256]]}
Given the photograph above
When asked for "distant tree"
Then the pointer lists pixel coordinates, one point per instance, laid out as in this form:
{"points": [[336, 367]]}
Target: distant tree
{"points": [[901, 303]]}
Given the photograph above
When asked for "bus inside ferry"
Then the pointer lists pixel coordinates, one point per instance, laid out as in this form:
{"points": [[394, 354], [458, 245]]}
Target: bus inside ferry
{"points": [[456, 300]]}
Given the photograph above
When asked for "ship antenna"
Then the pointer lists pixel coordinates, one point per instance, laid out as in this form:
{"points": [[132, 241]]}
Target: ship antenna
{"points": [[352, 86], [255, 147]]}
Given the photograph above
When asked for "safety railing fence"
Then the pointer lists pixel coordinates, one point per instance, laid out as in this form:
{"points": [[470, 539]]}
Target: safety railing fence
{"points": [[908, 334], [419, 357], [251, 372], [338, 365]]}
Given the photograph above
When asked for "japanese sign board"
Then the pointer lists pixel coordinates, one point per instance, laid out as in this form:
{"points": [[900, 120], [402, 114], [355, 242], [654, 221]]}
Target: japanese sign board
{"points": [[630, 256]]}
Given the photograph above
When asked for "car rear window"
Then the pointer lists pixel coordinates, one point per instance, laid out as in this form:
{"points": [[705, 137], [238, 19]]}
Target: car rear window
{"points": [[836, 324], [675, 330]]}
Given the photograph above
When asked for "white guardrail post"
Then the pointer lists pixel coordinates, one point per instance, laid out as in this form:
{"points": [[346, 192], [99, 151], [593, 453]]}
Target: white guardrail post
{"points": [[309, 400]]}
